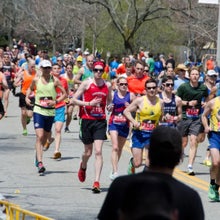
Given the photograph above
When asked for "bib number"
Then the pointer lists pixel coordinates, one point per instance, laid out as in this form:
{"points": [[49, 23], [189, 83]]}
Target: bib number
{"points": [[192, 113]]}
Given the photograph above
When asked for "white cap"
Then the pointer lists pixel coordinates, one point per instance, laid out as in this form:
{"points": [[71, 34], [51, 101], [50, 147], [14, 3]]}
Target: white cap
{"points": [[86, 53], [78, 49], [211, 73], [45, 63]]}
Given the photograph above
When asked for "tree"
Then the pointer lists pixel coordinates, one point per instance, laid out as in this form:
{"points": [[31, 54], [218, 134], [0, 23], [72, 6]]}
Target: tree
{"points": [[51, 20], [129, 15], [198, 22]]}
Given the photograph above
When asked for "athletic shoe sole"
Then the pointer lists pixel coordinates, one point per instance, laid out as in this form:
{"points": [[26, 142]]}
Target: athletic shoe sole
{"points": [[96, 190]]}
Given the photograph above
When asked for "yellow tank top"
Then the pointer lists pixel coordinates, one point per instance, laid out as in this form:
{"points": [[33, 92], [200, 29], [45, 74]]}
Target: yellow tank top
{"points": [[214, 122], [45, 92], [149, 115]]}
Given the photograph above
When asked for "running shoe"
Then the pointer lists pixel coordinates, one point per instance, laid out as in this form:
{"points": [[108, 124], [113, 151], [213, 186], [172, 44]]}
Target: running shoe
{"points": [[213, 193], [131, 168], [81, 173], [41, 168], [207, 163], [25, 133], [67, 130], [96, 187], [48, 143], [190, 171], [112, 175], [57, 156]]}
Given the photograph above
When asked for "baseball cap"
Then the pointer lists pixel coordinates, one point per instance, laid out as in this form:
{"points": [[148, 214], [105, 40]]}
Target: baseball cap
{"points": [[86, 53], [211, 73], [45, 63], [79, 59]]}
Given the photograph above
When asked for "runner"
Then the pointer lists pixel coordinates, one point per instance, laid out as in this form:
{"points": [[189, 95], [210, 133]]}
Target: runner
{"points": [[69, 76], [24, 79], [149, 112], [59, 113], [136, 82], [210, 82], [95, 94], [85, 71], [44, 108], [192, 93], [172, 108], [3, 85], [213, 130], [8, 70], [118, 125]]}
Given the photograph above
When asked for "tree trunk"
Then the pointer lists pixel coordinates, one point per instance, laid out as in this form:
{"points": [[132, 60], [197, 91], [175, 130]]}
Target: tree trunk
{"points": [[128, 46]]}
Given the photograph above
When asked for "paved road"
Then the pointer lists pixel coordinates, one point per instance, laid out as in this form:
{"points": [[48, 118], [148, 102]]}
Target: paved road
{"points": [[59, 194]]}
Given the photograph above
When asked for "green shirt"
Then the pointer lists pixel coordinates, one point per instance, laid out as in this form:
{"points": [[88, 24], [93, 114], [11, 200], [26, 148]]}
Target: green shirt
{"points": [[187, 93]]}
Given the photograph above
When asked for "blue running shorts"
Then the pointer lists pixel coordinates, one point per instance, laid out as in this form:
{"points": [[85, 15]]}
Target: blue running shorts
{"points": [[140, 139], [214, 140], [60, 114], [123, 130]]}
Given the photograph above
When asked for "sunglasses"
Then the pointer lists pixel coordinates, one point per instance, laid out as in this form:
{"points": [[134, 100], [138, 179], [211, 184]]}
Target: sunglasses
{"points": [[153, 87], [169, 84], [213, 76], [146, 70], [100, 70], [123, 84], [47, 67]]}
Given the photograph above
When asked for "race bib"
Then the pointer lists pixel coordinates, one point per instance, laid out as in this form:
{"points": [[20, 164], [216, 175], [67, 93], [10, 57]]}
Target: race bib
{"points": [[119, 119], [167, 124], [44, 101], [192, 113], [147, 126], [97, 112]]}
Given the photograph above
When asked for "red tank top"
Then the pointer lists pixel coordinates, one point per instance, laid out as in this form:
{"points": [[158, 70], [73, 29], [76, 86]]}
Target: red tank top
{"points": [[94, 112]]}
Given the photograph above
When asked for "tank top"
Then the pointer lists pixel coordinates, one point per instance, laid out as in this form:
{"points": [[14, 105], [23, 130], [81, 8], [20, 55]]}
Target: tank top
{"points": [[214, 123], [7, 71], [169, 108], [149, 115], [27, 79], [117, 116], [94, 112], [45, 92], [87, 73]]}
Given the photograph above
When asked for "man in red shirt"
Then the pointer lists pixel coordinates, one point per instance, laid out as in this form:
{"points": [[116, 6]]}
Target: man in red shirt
{"points": [[95, 95]]}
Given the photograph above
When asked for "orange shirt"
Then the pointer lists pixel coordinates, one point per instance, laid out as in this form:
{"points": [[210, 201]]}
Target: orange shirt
{"points": [[210, 64], [137, 85], [27, 79]]}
